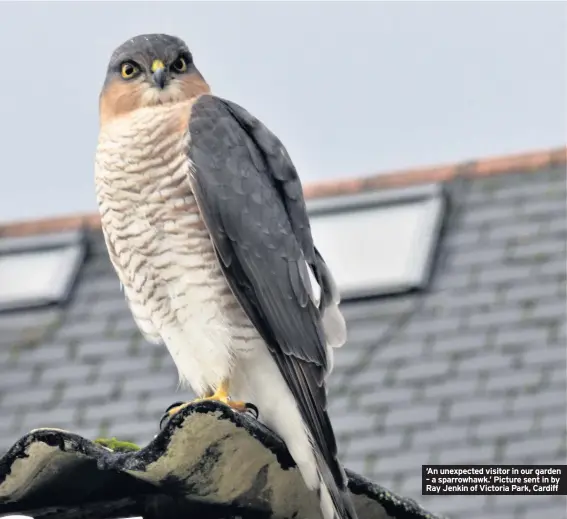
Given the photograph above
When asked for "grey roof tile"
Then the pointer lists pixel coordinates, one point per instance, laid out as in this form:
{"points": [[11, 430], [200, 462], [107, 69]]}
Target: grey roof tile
{"points": [[23, 321], [440, 434], [45, 354], [557, 228], [497, 317], [368, 379], [112, 306], [487, 362], [111, 367], [555, 270], [547, 311], [525, 379], [82, 394], [428, 369], [480, 258], [123, 326], [504, 427], [548, 398], [412, 415], [531, 336], [155, 405], [382, 396], [494, 214], [81, 329], [355, 421], [477, 407], [463, 278], [452, 388], [505, 274], [136, 430], [66, 373], [468, 340], [542, 250], [109, 411], [390, 352], [534, 289], [29, 398], [548, 208], [550, 354], [453, 302], [524, 191], [346, 358], [376, 443], [466, 239], [58, 417], [13, 380], [101, 348], [528, 450], [555, 421], [162, 382], [514, 230], [469, 454]]}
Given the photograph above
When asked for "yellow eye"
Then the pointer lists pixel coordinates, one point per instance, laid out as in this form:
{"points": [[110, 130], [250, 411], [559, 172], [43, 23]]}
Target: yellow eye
{"points": [[179, 65], [128, 70]]}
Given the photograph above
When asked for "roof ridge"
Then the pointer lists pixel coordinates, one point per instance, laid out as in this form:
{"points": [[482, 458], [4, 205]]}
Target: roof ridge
{"points": [[527, 162]]}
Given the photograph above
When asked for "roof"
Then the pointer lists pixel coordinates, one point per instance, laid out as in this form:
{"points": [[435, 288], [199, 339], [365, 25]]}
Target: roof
{"points": [[247, 473], [473, 369]]}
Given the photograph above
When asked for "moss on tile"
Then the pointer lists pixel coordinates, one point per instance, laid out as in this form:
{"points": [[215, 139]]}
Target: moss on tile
{"points": [[117, 445]]}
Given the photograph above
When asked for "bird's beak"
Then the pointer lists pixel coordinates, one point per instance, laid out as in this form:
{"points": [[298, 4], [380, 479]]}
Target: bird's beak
{"points": [[158, 73]]}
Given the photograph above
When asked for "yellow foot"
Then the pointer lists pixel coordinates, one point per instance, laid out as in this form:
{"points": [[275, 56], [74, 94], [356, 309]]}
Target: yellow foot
{"points": [[234, 404], [221, 395]]}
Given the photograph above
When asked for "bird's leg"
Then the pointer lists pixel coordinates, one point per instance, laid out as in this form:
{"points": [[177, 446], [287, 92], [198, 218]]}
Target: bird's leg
{"points": [[220, 395]]}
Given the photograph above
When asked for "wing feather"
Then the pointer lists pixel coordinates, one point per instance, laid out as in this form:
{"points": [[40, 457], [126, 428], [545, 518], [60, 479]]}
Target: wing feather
{"points": [[251, 200]]}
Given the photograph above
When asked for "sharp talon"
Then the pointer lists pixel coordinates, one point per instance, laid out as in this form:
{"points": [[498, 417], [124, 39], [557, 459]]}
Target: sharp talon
{"points": [[173, 406], [164, 419], [252, 409], [170, 411]]}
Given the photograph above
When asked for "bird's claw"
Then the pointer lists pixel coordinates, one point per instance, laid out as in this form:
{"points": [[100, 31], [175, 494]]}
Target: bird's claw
{"points": [[252, 409], [169, 412]]}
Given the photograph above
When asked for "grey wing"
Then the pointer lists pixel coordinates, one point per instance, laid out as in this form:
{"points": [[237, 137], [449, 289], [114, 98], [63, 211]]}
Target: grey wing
{"points": [[323, 289], [258, 223]]}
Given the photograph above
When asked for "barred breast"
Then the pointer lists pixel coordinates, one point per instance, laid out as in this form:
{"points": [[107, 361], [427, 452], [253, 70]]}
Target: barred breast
{"points": [[160, 247]]}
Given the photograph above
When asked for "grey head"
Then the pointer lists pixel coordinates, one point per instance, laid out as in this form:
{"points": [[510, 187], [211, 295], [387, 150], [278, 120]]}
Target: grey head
{"points": [[149, 70]]}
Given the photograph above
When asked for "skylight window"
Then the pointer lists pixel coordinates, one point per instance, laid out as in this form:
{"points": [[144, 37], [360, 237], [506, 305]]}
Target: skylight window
{"points": [[379, 243], [40, 270]]}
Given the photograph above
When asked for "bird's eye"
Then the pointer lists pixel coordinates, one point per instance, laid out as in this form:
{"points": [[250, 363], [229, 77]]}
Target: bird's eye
{"points": [[128, 70], [179, 65]]}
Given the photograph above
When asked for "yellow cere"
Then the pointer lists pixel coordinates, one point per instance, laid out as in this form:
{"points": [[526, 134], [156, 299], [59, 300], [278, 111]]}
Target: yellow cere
{"points": [[157, 64]]}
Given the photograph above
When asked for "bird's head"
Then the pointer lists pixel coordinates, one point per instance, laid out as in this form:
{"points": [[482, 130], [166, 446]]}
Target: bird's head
{"points": [[149, 70]]}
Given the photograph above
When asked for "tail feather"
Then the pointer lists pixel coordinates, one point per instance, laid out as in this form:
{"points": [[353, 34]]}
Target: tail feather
{"points": [[334, 498], [334, 326]]}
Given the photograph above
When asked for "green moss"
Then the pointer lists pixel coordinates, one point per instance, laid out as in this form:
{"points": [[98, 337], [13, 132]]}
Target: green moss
{"points": [[117, 445]]}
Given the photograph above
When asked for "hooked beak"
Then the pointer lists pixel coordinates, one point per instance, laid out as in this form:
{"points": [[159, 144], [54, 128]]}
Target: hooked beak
{"points": [[159, 75]]}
